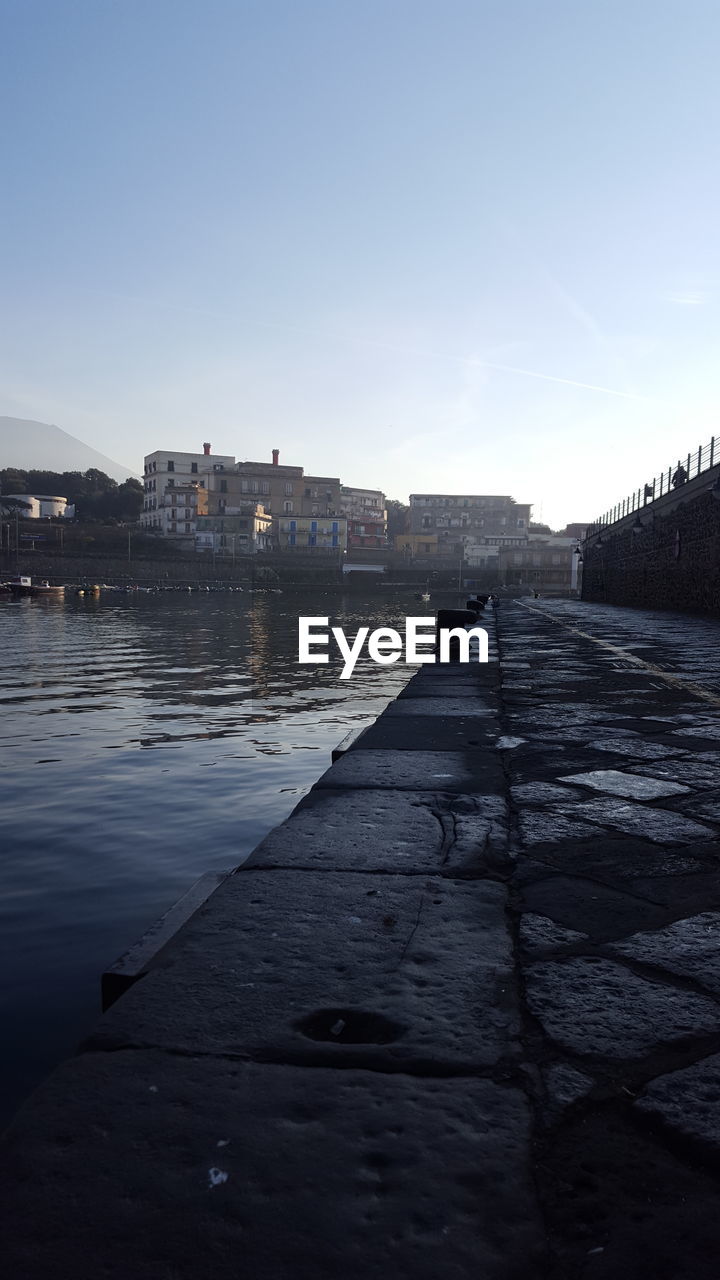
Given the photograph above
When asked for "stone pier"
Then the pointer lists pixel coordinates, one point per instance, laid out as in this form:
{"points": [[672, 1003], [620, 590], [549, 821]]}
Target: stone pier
{"points": [[458, 1016]]}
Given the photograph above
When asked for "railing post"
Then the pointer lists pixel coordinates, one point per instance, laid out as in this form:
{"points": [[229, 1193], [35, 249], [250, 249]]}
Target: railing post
{"points": [[688, 465], [712, 451], [699, 459]]}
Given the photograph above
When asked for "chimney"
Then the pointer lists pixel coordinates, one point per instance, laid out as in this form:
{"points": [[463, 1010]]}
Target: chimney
{"points": [[276, 455], [206, 449]]}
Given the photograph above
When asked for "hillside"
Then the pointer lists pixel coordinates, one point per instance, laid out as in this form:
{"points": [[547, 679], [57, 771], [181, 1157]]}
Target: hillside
{"points": [[39, 445]]}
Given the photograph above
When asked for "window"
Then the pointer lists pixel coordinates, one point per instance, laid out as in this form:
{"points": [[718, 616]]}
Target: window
{"points": [[292, 539], [521, 524], [335, 526], [289, 489], [313, 526], [312, 540], [307, 491], [287, 508], [171, 466], [315, 508], [193, 468], [335, 540], [223, 486], [187, 528], [293, 526], [173, 514], [171, 484]]}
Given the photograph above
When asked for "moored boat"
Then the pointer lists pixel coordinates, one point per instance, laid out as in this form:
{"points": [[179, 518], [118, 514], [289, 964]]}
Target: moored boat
{"points": [[23, 585]]}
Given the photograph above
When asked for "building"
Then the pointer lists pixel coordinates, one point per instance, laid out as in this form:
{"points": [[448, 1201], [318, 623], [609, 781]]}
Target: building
{"points": [[286, 490], [214, 503], [38, 506], [416, 544], [465, 521], [242, 530], [169, 478], [545, 564], [307, 533], [366, 516]]}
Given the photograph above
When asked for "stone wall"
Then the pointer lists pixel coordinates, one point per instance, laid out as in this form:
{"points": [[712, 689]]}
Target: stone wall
{"points": [[117, 571], [673, 562]]}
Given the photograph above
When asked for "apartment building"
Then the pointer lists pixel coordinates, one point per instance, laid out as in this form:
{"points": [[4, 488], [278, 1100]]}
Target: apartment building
{"points": [[327, 533], [366, 515], [463, 521], [169, 478], [286, 490], [545, 564]]}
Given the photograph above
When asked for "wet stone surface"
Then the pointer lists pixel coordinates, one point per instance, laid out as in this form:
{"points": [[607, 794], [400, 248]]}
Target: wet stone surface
{"points": [[281, 951], [220, 1169], [539, 934], [687, 1101], [660, 825], [597, 1008], [407, 832], [690, 947], [617, 783]]}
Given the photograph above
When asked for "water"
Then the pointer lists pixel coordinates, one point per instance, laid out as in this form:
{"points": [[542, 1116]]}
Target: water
{"points": [[146, 740]]}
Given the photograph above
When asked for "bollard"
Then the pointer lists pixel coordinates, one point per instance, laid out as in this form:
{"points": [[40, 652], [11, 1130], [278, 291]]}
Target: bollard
{"points": [[446, 620]]}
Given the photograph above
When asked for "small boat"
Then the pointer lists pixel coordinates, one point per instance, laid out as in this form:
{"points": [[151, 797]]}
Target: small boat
{"points": [[23, 585]]}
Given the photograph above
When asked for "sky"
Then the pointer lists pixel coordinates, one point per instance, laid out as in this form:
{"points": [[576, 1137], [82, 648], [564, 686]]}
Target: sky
{"points": [[451, 246]]}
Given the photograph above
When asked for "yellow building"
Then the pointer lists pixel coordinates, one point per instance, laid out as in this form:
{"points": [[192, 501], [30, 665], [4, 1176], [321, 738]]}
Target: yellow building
{"points": [[417, 544], [310, 533]]}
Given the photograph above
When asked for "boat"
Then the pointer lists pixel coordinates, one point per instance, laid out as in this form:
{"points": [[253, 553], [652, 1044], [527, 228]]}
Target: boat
{"points": [[23, 585]]}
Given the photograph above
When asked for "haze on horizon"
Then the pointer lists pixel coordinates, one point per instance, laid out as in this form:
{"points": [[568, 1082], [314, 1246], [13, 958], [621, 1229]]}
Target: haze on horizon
{"points": [[453, 247]]}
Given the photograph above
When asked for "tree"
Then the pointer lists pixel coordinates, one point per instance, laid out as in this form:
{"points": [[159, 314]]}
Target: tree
{"points": [[398, 518]]}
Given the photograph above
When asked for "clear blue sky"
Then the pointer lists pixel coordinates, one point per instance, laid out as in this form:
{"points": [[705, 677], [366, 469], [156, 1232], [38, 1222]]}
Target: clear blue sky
{"points": [[343, 228]]}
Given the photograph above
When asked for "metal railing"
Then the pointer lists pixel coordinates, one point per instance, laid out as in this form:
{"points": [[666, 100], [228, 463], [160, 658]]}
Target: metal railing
{"points": [[669, 481]]}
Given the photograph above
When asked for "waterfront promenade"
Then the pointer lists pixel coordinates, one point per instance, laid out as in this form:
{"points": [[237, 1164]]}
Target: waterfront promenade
{"points": [[458, 1016]]}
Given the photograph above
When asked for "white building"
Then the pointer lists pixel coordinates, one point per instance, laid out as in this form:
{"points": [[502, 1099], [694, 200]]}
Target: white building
{"points": [[41, 506], [171, 482]]}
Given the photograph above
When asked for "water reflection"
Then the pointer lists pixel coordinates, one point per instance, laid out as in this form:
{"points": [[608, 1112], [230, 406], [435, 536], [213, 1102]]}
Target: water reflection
{"points": [[146, 740]]}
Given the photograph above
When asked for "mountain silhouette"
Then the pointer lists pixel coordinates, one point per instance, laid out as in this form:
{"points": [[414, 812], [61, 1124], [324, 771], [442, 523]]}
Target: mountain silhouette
{"points": [[42, 447]]}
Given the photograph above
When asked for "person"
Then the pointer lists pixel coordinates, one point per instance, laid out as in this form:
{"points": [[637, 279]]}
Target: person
{"points": [[680, 476]]}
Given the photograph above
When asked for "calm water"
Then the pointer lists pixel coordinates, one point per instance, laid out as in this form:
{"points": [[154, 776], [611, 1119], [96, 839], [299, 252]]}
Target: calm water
{"points": [[146, 740]]}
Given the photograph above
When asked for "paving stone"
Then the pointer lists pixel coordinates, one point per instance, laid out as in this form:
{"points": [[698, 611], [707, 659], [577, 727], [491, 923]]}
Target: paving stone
{"points": [[639, 749], [404, 770], [540, 933], [542, 827], [380, 831], [711, 730], [690, 947], [659, 825], [687, 1101], [600, 910], [626, 784], [595, 1007], [542, 793], [693, 772], [564, 1085], [595, 735], [434, 733], [440, 706], [442, 689], [418, 971], [708, 809], [140, 1165]]}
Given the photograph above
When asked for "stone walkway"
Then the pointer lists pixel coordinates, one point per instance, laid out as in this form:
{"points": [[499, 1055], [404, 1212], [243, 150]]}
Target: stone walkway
{"points": [[459, 1016]]}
